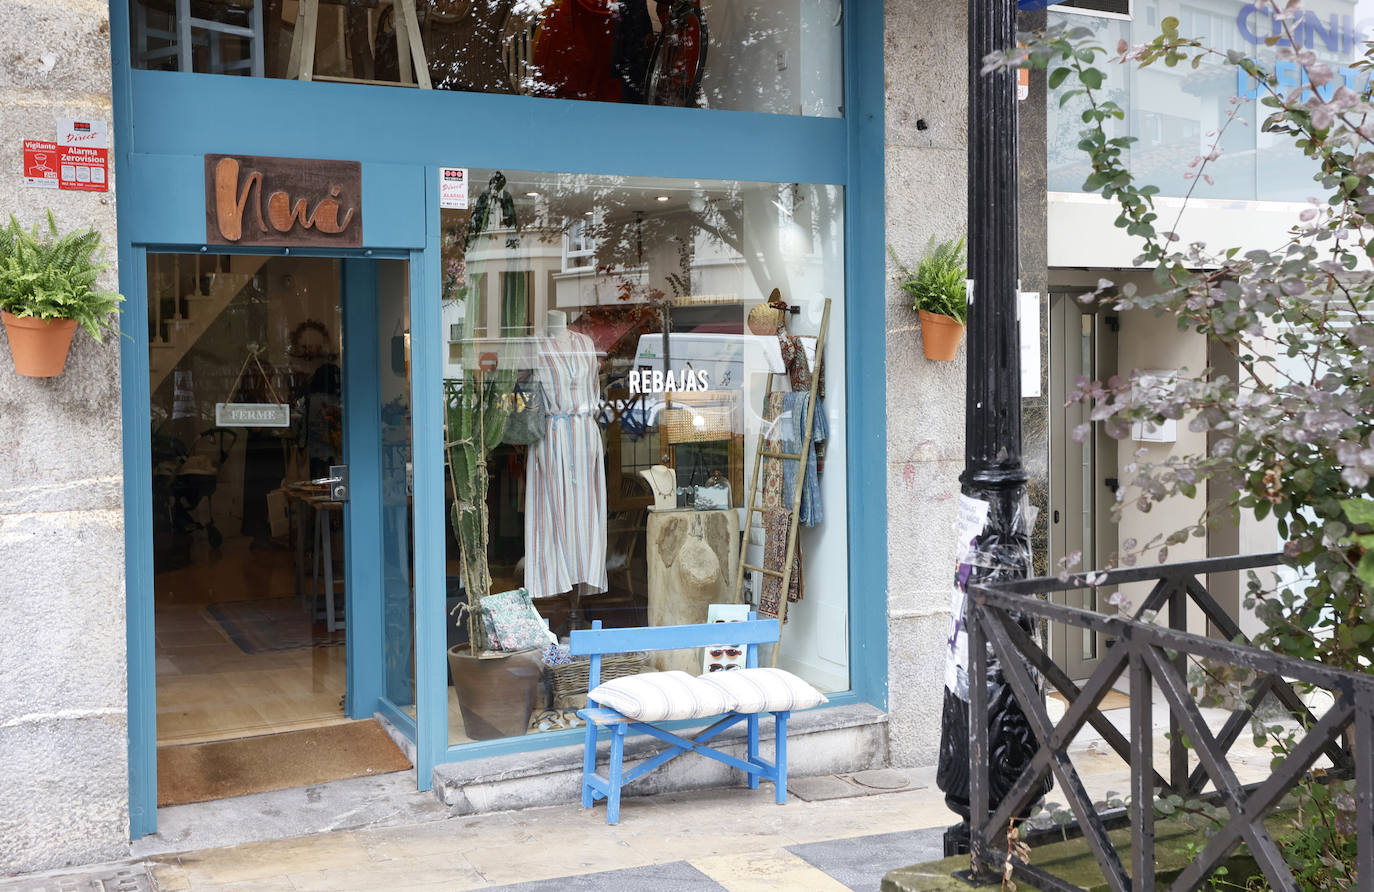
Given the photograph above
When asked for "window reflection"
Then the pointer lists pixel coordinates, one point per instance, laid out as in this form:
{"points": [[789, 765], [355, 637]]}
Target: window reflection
{"points": [[610, 344], [746, 55]]}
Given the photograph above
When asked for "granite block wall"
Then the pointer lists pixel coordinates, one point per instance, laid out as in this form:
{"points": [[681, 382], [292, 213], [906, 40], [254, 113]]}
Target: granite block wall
{"points": [[63, 705], [926, 72]]}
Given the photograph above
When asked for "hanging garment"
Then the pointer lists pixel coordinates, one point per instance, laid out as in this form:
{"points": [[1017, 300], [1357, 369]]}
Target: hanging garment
{"points": [[777, 515], [776, 525], [793, 433], [565, 478], [465, 51], [632, 49], [574, 51], [785, 436]]}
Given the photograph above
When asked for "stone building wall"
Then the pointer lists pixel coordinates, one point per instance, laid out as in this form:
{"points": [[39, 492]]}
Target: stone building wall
{"points": [[63, 706], [926, 62]]}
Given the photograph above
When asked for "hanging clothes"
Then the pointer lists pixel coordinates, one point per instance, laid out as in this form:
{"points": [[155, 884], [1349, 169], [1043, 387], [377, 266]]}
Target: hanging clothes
{"points": [[794, 406], [782, 436], [632, 49], [465, 51], [565, 477], [574, 51]]}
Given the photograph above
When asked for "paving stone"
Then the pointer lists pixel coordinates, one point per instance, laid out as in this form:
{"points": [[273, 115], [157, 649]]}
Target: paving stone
{"points": [[110, 879], [676, 876], [860, 862]]}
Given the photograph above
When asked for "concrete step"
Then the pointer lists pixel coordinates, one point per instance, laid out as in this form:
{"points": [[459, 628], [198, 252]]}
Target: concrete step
{"points": [[838, 740]]}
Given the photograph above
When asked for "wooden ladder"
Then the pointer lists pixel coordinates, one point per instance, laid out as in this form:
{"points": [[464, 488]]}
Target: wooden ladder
{"points": [[761, 453]]}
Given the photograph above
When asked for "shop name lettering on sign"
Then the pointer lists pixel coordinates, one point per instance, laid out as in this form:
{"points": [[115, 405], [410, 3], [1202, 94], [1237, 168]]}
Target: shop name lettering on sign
{"points": [[282, 201], [1337, 34], [658, 381]]}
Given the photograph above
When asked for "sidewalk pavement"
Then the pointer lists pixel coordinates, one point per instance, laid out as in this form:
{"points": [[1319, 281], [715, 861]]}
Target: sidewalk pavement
{"points": [[732, 839]]}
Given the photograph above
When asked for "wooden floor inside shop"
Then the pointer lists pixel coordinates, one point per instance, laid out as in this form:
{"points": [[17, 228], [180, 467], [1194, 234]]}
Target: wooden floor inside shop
{"points": [[224, 667]]}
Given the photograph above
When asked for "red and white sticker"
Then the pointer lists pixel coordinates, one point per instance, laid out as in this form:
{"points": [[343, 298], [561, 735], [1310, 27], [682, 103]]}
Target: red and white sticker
{"points": [[84, 155], [40, 164], [453, 187], [84, 170]]}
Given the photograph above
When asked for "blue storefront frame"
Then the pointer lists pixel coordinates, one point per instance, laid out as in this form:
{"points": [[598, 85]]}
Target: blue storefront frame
{"points": [[165, 122]]}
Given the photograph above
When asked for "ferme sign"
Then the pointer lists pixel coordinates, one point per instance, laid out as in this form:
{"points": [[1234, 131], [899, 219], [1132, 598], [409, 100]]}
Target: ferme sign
{"points": [[254, 200]]}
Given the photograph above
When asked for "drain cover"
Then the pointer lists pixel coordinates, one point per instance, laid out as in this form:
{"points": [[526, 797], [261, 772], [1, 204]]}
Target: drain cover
{"points": [[121, 879], [819, 789], [882, 779]]}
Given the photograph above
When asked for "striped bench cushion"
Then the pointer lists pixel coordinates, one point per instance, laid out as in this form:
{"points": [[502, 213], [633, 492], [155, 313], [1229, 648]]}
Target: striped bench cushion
{"points": [[661, 697], [764, 690]]}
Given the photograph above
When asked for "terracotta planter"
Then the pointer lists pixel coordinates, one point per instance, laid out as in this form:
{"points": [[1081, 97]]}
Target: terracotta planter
{"points": [[496, 694], [940, 335], [39, 346]]}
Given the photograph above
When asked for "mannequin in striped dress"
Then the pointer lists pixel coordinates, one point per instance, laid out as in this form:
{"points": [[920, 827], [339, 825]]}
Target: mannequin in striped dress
{"points": [[565, 477]]}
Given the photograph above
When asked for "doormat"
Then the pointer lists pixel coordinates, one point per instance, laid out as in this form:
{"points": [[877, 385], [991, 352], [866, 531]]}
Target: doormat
{"points": [[1114, 700], [846, 786], [202, 771], [271, 624]]}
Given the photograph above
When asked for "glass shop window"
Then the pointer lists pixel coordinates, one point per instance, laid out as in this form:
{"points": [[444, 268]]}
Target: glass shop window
{"points": [[609, 422], [744, 55]]}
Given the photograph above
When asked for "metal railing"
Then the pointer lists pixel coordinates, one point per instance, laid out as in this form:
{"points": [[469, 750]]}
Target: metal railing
{"points": [[1156, 657]]}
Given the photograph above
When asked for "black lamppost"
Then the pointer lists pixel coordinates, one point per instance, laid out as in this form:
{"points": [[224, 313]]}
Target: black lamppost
{"points": [[992, 416]]}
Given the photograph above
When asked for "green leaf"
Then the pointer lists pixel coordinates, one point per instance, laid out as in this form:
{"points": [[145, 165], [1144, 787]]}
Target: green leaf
{"points": [[1365, 569], [1091, 78], [1057, 77], [1359, 511]]}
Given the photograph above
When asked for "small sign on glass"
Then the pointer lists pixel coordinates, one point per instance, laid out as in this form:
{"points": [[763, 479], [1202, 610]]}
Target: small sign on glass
{"points": [[252, 414]]}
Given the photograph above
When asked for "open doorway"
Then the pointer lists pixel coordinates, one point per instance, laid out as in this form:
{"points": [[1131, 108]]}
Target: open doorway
{"points": [[251, 577]]}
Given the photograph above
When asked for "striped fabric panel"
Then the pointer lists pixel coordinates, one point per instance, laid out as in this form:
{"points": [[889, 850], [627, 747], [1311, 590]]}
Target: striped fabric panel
{"points": [[764, 690], [662, 696], [565, 475]]}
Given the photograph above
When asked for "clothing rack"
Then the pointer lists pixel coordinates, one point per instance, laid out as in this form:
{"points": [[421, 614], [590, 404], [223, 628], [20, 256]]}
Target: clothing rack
{"points": [[751, 503]]}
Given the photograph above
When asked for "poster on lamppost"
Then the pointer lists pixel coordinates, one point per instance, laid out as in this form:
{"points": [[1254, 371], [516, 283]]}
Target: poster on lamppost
{"points": [[973, 518]]}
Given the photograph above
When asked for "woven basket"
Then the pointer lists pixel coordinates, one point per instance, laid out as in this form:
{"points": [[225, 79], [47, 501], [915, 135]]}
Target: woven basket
{"points": [[570, 679], [700, 417]]}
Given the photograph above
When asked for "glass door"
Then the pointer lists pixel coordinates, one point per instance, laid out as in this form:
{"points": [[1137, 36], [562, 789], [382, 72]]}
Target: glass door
{"points": [[255, 415], [1082, 475]]}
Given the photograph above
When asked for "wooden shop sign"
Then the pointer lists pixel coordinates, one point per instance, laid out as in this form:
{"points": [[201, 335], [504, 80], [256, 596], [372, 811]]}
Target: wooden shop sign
{"points": [[252, 200]]}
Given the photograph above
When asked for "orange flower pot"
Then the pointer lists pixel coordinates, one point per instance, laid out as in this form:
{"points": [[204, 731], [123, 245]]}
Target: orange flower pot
{"points": [[39, 346], [940, 335]]}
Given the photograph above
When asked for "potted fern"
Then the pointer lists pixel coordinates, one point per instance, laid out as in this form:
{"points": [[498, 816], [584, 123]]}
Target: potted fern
{"points": [[938, 294], [47, 288]]}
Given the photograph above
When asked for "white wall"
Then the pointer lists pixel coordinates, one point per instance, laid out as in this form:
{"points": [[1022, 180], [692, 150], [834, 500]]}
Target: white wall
{"points": [[1084, 235]]}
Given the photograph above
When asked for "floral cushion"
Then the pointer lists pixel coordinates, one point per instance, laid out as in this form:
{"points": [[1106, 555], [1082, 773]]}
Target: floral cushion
{"points": [[512, 622]]}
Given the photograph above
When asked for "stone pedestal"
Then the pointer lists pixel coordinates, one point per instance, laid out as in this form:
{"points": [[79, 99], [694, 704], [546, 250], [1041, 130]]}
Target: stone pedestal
{"points": [[692, 557]]}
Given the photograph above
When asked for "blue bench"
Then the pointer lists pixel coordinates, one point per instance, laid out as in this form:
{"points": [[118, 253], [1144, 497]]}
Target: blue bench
{"points": [[597, 641]]}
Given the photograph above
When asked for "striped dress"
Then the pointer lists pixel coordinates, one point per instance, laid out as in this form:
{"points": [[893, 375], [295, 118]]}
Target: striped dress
{"points": [[565, 477]]}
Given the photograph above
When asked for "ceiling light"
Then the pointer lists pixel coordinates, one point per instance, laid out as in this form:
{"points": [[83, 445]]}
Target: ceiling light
{"points": [[531, 194], [663, 198]]}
